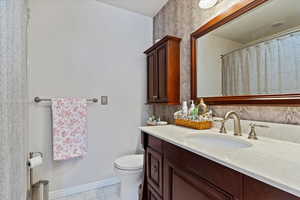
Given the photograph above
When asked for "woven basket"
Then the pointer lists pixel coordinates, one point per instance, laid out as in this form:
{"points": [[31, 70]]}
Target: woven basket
{"points": [[195, 125]]}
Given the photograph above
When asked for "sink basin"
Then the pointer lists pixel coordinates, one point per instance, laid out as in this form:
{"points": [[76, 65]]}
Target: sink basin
{"points": [[217, 141]]}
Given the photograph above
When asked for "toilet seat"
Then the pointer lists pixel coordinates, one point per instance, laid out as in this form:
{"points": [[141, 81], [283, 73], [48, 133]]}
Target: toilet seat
{"points": [[130, 162]]}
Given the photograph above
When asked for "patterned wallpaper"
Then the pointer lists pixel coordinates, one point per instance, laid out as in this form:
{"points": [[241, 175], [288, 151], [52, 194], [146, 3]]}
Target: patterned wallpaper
{"points": [[13, 100], [182, 17]]}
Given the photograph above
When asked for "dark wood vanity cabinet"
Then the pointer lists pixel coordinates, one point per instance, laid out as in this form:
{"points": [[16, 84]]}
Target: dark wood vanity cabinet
{"points": [[173, 173], [163, 71]]}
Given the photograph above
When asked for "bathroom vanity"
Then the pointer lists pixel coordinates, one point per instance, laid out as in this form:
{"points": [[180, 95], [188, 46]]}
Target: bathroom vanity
{"points": [[245, 55], [186, 164]]}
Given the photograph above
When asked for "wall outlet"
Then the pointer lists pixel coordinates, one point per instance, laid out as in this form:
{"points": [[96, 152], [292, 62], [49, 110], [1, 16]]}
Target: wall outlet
{"points": [[104, 100]]}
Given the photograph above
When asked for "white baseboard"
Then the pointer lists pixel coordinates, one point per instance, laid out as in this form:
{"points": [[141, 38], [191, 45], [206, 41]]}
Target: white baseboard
{"points": [[83, 188]]}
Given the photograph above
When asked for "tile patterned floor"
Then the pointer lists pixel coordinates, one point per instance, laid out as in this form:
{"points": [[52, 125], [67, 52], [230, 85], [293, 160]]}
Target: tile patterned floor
{"points": [[106, 193]]}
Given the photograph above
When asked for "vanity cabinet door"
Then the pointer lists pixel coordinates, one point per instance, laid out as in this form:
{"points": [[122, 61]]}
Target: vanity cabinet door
{"points": [[182, 185], [152, 77], [154, 170], [152, 195], [162, 73]]}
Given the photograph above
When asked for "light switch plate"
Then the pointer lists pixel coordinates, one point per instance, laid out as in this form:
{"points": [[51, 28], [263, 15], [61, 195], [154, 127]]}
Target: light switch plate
{"points": [[104, 100]]}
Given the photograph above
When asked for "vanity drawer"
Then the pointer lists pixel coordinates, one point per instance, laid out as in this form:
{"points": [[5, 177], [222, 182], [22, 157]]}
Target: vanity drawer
{"points": [[182, 185], [155, 170], [254, 189], [152, 195], [216, 174]]}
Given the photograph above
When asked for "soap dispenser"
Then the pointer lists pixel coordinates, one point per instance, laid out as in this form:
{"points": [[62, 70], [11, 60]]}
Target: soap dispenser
{"points": [[192, 108], [184, 108]]}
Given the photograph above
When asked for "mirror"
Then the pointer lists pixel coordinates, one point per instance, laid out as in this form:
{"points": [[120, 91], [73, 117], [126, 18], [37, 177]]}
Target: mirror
{"points": [[256, 53]]}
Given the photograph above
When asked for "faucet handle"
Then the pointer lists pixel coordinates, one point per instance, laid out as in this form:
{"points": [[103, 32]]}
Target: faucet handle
{"points": [[252, 134], [223, 128], [219, 120], [258, 125]]}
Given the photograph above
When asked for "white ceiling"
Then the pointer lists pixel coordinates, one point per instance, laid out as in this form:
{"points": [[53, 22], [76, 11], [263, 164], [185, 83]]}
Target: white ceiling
{"points": [[144, 7], [258, 23]]}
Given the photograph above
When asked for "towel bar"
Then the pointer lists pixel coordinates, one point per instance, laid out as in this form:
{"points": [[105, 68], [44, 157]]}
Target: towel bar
{"points": [[38, 100]]}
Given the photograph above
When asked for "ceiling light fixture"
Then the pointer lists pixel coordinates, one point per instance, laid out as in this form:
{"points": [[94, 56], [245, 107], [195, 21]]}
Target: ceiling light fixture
{"points": [[205, 4]]}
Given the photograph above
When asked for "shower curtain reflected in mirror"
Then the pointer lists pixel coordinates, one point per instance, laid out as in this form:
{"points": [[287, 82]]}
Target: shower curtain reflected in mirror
{"points": [[13, 96], [270, 67]]}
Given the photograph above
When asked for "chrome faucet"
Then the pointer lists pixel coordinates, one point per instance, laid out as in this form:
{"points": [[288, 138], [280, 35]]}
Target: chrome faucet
{"points": [[237, 122]]}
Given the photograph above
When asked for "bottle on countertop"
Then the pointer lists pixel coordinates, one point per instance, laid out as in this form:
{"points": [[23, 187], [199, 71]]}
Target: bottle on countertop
{"points": [[192, 107], [193, 111], [202, 107], [185, 109]]}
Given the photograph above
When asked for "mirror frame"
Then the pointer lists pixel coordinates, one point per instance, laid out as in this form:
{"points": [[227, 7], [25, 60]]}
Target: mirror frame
{"points": [[228, 15]]}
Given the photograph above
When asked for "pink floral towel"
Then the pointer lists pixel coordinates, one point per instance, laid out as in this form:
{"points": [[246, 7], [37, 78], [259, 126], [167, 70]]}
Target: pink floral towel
{"points": [[69, 128]]}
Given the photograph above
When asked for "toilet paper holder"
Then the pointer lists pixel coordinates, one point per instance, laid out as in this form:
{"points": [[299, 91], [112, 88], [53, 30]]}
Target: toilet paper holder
{"points": [[31, 155], [34, 186]]}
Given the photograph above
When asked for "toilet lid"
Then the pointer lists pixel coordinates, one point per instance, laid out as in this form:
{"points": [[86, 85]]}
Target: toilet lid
{"points": [[131, 162]]}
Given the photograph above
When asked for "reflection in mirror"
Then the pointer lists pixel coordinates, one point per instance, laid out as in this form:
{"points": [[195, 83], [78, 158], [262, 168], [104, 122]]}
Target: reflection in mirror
{"points": [[257, 53]]}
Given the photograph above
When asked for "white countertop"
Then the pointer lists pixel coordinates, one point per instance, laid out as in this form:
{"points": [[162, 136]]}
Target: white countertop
{"points": [[274, 162]]}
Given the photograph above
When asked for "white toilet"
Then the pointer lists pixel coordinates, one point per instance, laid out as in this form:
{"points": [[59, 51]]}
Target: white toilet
{"points": [[130, 169]]}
